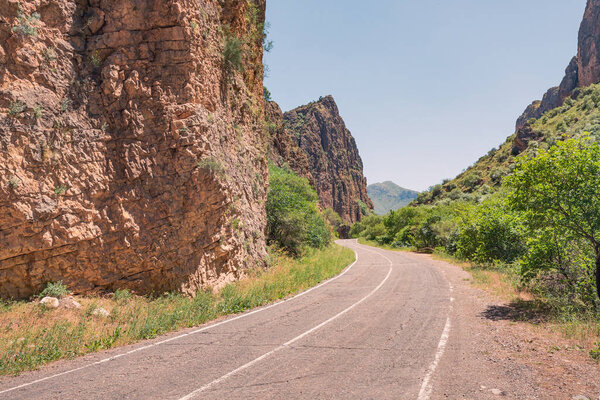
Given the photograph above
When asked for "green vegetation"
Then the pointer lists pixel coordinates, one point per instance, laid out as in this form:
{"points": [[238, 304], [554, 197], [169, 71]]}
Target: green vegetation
{"points": [[211, 165], [266, 94], [539, 232], [54, 289], [232, 53], [60, 190], [388, 196], [294, 221], [38, 112], [32, 335], [27, 23], [16, 108], [579, 115]]}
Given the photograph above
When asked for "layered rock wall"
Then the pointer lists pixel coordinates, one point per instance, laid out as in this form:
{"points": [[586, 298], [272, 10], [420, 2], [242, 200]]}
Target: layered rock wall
{"points": [[131, 150]]}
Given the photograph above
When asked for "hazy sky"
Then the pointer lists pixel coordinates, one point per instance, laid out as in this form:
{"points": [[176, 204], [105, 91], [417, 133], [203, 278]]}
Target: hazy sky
{"points": [[425, 86]]}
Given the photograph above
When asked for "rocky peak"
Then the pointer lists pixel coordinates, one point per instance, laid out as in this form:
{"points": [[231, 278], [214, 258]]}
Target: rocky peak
{"points": [[334, 162], [583, 70]]}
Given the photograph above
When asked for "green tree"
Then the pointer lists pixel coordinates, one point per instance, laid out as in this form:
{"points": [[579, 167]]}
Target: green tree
{"points": [[560, 188], [293, 219]]}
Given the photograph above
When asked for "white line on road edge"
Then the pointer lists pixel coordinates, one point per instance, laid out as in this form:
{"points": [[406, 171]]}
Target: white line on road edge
{"points": [[286, 344], [182, 335], [427, 387]]}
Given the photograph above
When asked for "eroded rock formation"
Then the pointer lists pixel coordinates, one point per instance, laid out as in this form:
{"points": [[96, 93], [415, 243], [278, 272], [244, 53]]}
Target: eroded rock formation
{"points": [[131, 152], [284, 148], [333, 159], [583, 70]]}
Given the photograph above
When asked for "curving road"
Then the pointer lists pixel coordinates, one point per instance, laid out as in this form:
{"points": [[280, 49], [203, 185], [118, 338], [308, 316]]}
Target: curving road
{"points": [[377, 331]]}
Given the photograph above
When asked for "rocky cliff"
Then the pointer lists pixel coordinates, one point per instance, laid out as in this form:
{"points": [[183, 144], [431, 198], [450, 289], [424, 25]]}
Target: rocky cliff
{"points": [[333, 160], [284, 149], [131, 145], [583, 70]]}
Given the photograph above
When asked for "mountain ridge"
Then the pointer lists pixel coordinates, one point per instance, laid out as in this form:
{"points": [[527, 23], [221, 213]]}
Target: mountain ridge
{"points": [[388, 196]]}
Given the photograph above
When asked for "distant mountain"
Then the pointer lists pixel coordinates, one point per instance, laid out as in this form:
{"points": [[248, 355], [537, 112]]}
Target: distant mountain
{"points": [[388, 196]]}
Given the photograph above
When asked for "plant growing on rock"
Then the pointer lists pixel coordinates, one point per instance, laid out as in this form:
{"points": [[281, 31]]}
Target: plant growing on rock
{"points": [[16, 108], [212, 165], [60, 190], [38, 112], [27, 23], [13, 182], [55, 289], [232, 53]]}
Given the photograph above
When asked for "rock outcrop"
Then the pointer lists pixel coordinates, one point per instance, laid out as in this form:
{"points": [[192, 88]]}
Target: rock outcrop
{"points": [[284, 149], [333, 160], [583, 70], [132, 153]]}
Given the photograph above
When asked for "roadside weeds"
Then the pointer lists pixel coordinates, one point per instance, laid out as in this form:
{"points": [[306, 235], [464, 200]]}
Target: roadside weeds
{"points": [[32, 334]]}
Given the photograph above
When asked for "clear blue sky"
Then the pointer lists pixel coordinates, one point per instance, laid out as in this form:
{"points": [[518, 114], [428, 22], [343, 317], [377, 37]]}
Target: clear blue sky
{"points": [[425, 86]]}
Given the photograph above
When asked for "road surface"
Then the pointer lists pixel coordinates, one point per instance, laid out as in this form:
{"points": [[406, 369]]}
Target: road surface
{"points": [[386, 328]]}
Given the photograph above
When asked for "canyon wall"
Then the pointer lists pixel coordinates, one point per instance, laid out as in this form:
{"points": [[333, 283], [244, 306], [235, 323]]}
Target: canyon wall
{"points": [[132, 152]]}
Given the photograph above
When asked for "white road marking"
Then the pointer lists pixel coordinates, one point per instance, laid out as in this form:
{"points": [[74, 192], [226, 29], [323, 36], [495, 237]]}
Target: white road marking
{"points": [[182, 335], [426, 386], [286, 344]]}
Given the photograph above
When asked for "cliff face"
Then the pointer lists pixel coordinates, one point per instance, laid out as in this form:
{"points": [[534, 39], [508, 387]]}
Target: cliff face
{"points": [[284, 148], [334, 162], [131, 151], [583, 70]]}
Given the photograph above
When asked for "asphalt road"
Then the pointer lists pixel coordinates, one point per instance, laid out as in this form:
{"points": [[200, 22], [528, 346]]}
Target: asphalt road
{"points": [[378, 331]]}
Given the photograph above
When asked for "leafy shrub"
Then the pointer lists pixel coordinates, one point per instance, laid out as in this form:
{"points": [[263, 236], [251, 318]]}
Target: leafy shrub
{"points": [[471, 180], [54, 289], [490, 234], [266, 94], [560, 189], [333, 218], [212, 165], [293, 219], [232, 53]]}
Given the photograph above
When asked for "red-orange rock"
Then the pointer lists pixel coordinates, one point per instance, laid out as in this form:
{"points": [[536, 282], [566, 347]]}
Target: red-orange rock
{"points": [[130, 156], [334, 163]]}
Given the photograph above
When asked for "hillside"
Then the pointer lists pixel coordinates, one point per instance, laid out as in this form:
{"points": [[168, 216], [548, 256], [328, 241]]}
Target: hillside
{"points": [[579, 114], [388, 196], [565, 111]]}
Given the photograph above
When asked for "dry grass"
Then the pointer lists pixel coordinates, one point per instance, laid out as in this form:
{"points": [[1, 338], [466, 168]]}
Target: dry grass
{"points": [[32, 335]]}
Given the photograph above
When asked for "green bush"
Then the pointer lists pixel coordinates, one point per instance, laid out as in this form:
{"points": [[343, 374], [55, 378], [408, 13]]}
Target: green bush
{"points": [[560, 189], [293, 219], [54, 289], [232, 53], [489, 233]]}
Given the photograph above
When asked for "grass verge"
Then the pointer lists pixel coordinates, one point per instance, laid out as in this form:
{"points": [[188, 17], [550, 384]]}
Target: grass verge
{"points": [[32, 335]]}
